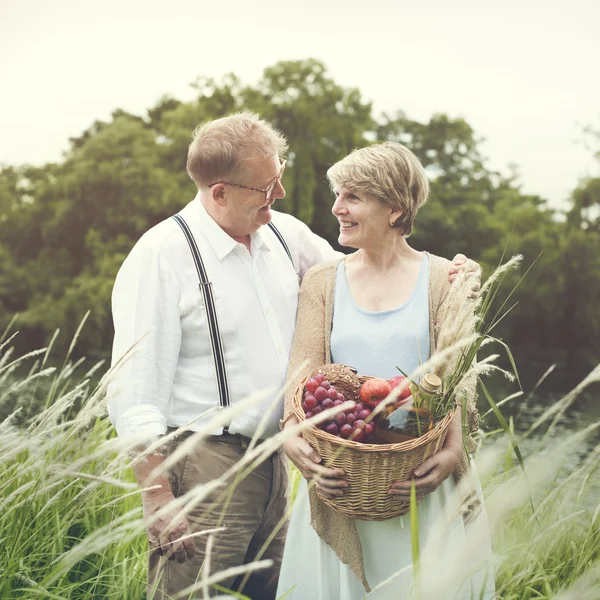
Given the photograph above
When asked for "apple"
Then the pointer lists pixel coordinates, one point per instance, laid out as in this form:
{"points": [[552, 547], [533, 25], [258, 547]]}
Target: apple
{"points": [[400, 381], [373, 391]]}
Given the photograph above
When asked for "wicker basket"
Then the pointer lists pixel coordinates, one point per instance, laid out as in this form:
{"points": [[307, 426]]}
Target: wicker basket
{"points": [[370, 469]]}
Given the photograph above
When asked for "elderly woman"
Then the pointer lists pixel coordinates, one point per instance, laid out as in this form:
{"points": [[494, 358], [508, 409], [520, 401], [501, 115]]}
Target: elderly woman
{"points": [[375, 309]]}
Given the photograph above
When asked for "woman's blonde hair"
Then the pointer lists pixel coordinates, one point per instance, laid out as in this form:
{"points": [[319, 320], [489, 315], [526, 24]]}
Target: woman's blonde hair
{"points": [[221, 148], [390, 172]]}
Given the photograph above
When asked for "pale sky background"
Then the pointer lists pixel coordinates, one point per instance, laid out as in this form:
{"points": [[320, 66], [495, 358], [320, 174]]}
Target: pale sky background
{"points": [[523, 73]]}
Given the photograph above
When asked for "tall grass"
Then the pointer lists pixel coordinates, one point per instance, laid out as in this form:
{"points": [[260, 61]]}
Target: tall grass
{"points": [[70, 510]]}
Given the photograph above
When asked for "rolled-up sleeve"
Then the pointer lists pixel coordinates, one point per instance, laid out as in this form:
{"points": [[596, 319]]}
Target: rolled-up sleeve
{"points": [[146, 315]]}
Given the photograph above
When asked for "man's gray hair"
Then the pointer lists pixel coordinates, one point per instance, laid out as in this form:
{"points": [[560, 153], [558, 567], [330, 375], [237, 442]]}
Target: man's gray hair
{"points": [[221, 148]]}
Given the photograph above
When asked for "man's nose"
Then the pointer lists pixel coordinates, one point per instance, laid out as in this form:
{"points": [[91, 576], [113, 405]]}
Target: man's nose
{"points": [[279, 191]]}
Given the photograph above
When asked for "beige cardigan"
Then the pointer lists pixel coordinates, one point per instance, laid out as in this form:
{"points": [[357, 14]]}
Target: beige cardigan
{"points": [[312, 344]]}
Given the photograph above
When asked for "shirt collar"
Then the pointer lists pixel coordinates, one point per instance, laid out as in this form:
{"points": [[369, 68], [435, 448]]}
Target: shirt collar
{"points": [[222, 243], [261, 240]]}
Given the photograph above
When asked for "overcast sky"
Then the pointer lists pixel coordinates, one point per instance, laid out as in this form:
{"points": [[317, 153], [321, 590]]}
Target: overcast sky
{"points": [[523, 73]]}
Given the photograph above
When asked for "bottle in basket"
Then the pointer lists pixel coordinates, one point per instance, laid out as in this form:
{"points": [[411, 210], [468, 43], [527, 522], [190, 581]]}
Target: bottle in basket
{"points": [[413, 416]]}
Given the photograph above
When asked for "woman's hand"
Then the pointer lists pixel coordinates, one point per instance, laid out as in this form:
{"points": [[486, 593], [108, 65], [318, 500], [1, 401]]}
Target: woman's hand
{"points": [[437, 468], [429, 476], [461, 263], [305, 457]]}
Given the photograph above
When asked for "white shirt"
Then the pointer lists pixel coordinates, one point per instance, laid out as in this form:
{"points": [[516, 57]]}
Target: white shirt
{"points": [[169, 378]]}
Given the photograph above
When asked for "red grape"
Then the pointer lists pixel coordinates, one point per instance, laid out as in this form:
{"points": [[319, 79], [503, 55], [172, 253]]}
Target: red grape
{"points": [[340, 419], [332, 393], [364, 414], [358, 435], [360, 424], [327, 403], [331, 428], [368, 429], [316, 410], [319, 378], [310, 402], [345, 430], [320, 393], [309, 414], [325, 385], [350, 418], [311, 385]]}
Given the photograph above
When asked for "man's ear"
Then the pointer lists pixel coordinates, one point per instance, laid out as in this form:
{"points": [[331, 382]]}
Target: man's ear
{"points": [[218, 195]]}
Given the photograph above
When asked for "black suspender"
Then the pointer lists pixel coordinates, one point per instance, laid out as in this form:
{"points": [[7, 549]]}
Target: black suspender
{"points": [[280, 238], [211, 311], [213, 325]]}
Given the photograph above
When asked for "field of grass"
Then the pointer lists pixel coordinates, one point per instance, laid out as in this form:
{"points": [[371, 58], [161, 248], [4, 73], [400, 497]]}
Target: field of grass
{"points": [[70, 511]]}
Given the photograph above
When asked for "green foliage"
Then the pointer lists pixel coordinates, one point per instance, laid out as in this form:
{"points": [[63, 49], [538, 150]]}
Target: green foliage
{"points": [[65, 228]]}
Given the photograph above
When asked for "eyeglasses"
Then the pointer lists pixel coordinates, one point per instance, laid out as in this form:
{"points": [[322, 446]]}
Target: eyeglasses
{"points": [[268, 191]]}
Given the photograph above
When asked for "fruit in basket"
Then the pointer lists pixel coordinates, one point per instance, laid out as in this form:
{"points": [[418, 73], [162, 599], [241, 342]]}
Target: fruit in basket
{"points": [[310, 401], [320, 393], [340, 419], [327, 403], [373, 391], [399, 381], [358, 435], [331, 428], [345, 430], [364, 414], [311, 385]]}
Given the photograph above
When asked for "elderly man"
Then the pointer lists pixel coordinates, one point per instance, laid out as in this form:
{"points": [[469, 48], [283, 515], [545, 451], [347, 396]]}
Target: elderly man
{"points": [[213, 293]]}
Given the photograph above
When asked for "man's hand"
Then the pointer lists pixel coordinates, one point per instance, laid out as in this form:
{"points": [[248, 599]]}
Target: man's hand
{"points": [[328, 480], [165, 531], [461, 263]]}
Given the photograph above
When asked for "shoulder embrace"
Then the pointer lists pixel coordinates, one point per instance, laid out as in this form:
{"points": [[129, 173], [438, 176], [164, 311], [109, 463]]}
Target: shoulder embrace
{"points": [[321, 274]]}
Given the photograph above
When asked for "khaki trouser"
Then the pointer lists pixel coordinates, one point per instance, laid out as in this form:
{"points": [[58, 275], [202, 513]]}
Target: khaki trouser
{"points": [[257, 505]]}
